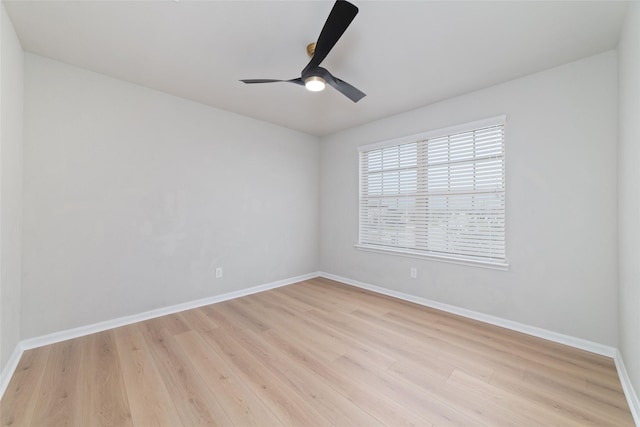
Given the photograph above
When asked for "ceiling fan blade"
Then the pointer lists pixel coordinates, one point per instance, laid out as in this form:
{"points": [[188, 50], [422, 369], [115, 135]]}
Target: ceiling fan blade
{"points": [[341, 86], [252, 81], [339, 19], [346, 89]]}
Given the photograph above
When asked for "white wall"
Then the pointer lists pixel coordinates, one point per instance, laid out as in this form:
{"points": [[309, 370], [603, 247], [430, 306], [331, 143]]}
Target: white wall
{"points": [[133, 197], [561, 203], [629, 192], [11, 97]]}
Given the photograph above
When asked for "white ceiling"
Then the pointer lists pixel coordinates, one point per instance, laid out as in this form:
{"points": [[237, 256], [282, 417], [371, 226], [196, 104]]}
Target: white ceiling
{"points": [[402, 54]]}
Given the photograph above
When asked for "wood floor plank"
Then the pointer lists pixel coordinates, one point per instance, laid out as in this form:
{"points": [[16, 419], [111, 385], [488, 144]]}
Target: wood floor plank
{"points": [[586, 401], [60, 399], [18, 403], [511, 352], [329, 343], [148, 397], [305, 383], [191, 397], [105, 396], [386, 410], [289, 407], [483, 333], [241, 404], [550, 399], [495, 399], [428, 348], [424, 402], [316, 353], [198, 320], [245, 309]]}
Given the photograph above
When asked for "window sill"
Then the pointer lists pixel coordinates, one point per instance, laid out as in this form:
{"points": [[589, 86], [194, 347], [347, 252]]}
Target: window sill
{"points": [[452, 260]]}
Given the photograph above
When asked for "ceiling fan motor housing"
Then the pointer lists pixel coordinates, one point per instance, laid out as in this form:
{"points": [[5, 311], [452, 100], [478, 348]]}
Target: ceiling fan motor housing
{"points": [[311, 49]]}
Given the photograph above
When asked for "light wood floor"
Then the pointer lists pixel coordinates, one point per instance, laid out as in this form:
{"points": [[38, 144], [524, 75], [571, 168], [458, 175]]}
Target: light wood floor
{"points": [[313, 354]]}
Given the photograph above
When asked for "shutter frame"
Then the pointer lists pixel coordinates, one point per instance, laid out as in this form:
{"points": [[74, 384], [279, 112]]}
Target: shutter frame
{"points": [[438, 194]]}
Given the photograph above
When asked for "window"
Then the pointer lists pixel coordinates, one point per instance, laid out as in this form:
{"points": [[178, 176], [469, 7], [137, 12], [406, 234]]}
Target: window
{"points": [[438, 194]]}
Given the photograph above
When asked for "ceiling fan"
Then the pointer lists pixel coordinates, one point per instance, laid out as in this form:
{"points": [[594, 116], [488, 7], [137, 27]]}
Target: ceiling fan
{"points": [[314, 77]]}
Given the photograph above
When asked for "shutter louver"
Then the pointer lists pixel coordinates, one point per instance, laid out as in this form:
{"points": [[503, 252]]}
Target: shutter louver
{"points": [[442, 196]]}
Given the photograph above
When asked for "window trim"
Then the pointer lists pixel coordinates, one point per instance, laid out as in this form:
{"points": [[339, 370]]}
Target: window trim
{"points": [[504, 266], [466, 127], [436, 133]]}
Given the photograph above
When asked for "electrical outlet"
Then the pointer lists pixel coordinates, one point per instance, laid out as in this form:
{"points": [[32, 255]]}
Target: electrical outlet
{"points": [[218, 272], [413, 272]]}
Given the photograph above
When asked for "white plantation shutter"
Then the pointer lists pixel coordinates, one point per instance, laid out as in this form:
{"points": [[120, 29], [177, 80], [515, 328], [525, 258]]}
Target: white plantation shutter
{"points": [[439, 194]]}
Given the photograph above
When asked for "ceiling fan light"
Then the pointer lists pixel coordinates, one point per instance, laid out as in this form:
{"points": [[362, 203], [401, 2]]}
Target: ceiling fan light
{"points": [[314, 83]]}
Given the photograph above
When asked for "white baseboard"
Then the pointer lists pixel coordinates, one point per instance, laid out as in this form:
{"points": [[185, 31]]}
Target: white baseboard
{"points": [[580, 343], [10, 368], [127, 320], [627, 387], [55, 337]]}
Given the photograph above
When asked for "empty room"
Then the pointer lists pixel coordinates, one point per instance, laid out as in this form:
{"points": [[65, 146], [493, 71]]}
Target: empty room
{"points": [[319, 213]]}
